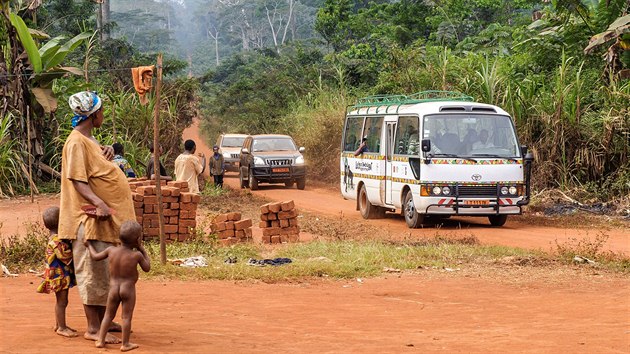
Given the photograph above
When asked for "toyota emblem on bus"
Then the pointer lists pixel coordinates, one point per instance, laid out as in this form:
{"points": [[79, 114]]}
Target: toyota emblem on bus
{"points": [[476, 177]]}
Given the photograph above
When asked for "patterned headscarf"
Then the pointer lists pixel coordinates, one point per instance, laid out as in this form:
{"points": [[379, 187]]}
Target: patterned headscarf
{"points": [[83, 104]]}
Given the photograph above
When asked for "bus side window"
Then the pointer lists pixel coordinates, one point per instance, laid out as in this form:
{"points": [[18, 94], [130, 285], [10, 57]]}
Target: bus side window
{"points": [[407, 137], [372, 131], [353, 133]]}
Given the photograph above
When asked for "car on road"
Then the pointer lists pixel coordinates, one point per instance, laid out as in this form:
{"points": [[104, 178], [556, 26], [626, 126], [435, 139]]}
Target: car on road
{"points": [[230, 146], [271, 158]]}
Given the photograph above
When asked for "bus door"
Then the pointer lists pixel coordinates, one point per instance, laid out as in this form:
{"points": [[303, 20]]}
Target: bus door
{"points": [[390, 137]]}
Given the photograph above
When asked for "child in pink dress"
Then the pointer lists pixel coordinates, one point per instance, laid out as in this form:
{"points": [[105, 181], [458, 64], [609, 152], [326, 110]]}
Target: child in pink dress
{"points": [[59, 274]]}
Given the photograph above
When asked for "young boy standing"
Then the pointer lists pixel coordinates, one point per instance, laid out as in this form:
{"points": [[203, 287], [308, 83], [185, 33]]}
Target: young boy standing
{"points": [[123, 275]]}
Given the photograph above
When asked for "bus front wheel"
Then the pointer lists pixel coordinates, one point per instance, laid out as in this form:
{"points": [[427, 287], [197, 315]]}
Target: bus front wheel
{"points": [[413, 219], [368, 211], [497, 220]]}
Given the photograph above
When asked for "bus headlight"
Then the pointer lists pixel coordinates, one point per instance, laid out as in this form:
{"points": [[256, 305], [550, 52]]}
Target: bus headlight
{"points": [[513, 190], [437, 190], [504, 190], [446, 190]]}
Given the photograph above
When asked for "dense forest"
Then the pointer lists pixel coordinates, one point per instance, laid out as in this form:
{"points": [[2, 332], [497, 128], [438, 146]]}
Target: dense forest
{"points": [[561, 68]]}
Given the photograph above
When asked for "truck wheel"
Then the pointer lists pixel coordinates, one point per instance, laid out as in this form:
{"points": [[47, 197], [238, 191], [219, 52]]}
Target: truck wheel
{"points": [[497, 220], [368, 211], [301, 183], [413, 219], [253, 182], [241, 179]]}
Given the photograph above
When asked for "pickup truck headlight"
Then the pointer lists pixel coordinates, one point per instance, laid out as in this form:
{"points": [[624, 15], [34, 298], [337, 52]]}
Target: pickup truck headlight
{"points": [[259, 161], [299, 160]]}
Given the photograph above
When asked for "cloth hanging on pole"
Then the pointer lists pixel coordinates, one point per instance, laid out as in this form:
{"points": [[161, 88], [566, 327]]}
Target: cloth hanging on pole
{"points": [[142, 80]]}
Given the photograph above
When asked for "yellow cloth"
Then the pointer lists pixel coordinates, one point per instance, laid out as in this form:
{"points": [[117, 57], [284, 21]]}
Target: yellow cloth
{"points": [[142, 77], [187, 168], [82, 160]]}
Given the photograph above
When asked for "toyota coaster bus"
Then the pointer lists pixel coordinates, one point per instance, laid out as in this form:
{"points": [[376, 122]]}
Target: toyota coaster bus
{"points": [[433, 153]]}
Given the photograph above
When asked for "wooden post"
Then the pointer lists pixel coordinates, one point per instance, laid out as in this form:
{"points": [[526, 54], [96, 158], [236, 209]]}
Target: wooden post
{"points": [[114, 121], [30, 155], [156, 158]]}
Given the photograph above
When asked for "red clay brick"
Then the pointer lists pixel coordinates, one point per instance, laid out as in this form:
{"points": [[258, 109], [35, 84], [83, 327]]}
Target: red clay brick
{"points": [[264, 209], [220, 218], [288, 205], [170, 229], [150, 199], [229, 225], [287, 214], [242, 224], [234, 216], [220, 226], [271, 231], [274, 207], [275, 239]]}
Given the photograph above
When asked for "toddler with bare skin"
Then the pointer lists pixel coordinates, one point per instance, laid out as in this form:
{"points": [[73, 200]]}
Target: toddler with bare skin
{"points": [[123, 275]]}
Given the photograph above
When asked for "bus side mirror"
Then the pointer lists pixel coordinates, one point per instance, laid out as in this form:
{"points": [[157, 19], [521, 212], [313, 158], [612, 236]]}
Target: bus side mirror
{"points": [[524, 150], [426, 145]]}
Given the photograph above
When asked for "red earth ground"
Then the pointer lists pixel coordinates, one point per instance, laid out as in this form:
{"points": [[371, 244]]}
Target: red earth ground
{"points": [[478, 310]]}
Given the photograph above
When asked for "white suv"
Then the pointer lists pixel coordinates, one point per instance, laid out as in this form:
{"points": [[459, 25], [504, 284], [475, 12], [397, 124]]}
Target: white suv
{"points": [[230, 146]]}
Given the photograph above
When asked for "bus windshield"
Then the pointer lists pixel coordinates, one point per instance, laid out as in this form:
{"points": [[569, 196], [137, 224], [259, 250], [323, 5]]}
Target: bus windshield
{"points": [[471, 135]]}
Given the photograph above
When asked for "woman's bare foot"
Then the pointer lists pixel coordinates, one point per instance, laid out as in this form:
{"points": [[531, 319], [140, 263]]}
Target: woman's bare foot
{"points": [[56, 327], [127, 347], [99, 344], [66, 332], [115, 327], [109, 339]]}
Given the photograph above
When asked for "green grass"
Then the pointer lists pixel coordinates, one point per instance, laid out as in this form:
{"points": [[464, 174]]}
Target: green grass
{"points": [[334, 258]]}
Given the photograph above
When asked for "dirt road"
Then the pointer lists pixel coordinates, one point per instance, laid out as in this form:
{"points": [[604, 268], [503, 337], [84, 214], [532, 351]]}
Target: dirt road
{"points": [[429, 312]]}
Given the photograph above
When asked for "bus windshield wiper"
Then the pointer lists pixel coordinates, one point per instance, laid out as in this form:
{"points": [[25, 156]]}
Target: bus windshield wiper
{"points": [[456, 156], [496, 156]]}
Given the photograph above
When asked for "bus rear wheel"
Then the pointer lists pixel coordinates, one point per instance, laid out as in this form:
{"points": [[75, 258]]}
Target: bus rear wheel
{"points": [[413, 219], [497, 220], [368, 211]]}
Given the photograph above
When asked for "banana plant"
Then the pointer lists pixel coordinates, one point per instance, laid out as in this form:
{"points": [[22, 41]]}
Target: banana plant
{"points": [[46, 61]]}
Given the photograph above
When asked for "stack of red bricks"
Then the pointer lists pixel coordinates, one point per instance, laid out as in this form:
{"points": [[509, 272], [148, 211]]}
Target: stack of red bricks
{"points": [[231, 229], [279, 222], [179, 208]]}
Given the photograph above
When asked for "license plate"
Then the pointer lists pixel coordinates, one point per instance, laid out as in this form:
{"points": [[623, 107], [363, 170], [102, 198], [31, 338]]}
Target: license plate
{"points": [[280, 170], [476, 202]]}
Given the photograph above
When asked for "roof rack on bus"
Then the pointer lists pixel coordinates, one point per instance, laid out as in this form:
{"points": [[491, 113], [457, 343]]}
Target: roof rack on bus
{"points": [[394, 102]]}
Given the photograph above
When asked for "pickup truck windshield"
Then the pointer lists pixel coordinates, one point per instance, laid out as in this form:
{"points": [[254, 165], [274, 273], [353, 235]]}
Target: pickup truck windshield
{"points": [[232, 142], [471, 135]]}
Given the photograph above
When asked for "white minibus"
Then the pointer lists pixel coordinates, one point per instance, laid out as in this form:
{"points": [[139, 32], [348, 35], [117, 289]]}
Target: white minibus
{"points": [[433, 154]]}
